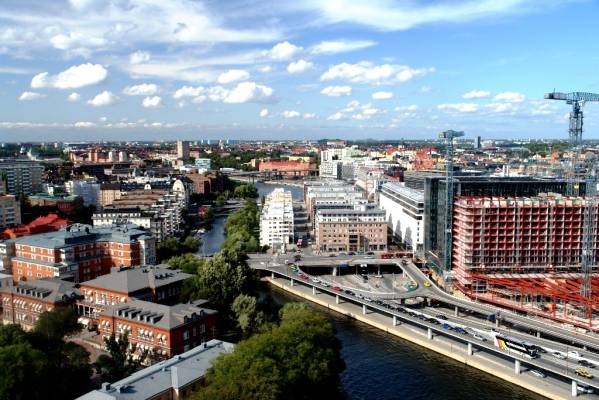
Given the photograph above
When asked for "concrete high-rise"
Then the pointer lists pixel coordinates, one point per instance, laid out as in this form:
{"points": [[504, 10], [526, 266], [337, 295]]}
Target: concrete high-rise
{"points": [[183, 149]]}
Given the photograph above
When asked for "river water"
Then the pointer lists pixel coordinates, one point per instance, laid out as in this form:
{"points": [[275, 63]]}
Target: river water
{"points": [[383, 367]]}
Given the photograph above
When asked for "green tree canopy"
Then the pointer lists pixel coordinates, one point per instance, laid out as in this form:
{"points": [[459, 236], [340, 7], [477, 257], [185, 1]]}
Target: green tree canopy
{"points": [[119, 362], [298, 359], [58, 323]]}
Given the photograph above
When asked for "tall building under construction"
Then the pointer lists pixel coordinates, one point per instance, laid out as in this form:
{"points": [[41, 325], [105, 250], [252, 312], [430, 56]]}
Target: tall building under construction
{"points": [[517, 242]]}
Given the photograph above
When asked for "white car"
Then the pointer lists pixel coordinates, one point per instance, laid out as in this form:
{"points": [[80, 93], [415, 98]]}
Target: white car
{"points": [[574, 354], [315, 280], [584, 389], [368, 299], [537, 373], [479, 337], [559, 355]]}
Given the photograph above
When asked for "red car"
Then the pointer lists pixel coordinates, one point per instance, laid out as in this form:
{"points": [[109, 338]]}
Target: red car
{"points": [[337, 288]]}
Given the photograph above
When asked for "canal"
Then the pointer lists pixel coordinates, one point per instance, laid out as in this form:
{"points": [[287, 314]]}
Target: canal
{"points": [[384, 367]]}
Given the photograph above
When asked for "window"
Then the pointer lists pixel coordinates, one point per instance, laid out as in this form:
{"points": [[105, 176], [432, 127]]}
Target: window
{"points": [[185, 335]]}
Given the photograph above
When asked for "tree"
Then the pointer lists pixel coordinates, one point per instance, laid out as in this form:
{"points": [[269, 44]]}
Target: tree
{"points": [[23, 372], [249, 319], [190, 244], [298, 359], [220, 200], [58, 323], [187, 263], [167, 248], [208, 215], [246, 191], [119, 361]]}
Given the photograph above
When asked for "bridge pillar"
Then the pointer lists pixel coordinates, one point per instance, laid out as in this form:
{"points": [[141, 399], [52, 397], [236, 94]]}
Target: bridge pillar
{"points": [[517, 367], [394, 320], [470, 349], [574, 388], [538, 334], [364, 309], [496, 323], [337, 299], [429, 333], [272, 275], [314, 290], [457, 311], [291, 282]]}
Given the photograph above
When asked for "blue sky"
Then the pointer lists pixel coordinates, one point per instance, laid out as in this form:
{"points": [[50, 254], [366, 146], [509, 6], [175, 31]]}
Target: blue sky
{"points": [[383, 69]]}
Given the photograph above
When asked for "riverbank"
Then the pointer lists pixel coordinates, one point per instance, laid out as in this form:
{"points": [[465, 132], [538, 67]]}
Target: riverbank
{"points": [[494, 366]]}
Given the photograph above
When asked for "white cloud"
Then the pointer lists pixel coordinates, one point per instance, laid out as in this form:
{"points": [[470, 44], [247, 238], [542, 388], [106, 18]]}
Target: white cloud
{"points": [[299, 66], [290, 114], [411, 107], [77, 41], [366, 112], [264, 113], [476, 94], [144, 89], [459, 107], [246, 92], [499, 107], [391, 16], [512, 97], [265, 69], [152, 102], [336, 117], [219, 93], [28, 96], [72, 78], [283, 51], [73, 97], [336, 91], [309, 116], [84, 124], [366, 72], [105, 98], [382, 95], [340, 46], [233, 75], [188, 91], [139, 57]]}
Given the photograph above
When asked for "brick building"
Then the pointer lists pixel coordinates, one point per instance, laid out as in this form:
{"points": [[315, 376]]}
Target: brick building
{"points": [[65, 204], [81, 252], [47, 223], [289, 168], [23, 303], [162, 331]]}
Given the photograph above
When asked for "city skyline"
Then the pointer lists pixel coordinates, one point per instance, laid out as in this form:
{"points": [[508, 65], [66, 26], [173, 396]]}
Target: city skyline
{"points": [[86, 69]]}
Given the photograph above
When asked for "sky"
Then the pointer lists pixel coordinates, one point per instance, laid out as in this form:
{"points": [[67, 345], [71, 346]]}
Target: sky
{"points": [[304, 69]]}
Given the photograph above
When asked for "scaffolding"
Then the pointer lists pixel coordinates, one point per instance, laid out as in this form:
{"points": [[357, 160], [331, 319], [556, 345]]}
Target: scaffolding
{"points": [[525, 253]]}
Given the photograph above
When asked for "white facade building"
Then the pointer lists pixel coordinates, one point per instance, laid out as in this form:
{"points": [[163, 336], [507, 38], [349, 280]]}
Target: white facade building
{"points": [[88, 190], [404, 212], [203, 163], [276, 221]]}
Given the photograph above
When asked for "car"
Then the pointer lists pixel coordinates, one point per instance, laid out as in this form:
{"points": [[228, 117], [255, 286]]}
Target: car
{"points": [[574, 354], [337, 289], [303, 277], [325, 284], [297, 257], [434, 321], [537, 373], [368, 299], [584, 373], [359, 296], [441, 316], [558, 355], [585, 363], [427, 284], [585, 389], [315, 280], [446, 326], [351, 253], [539, 349], [348, 291], [370, 253], [479, 337], [343, 253], [460, 330]]}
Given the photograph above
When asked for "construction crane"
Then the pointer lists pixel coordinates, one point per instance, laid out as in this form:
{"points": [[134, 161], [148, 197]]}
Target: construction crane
{"points": [[448, 137], [577, 100], [589, 227]]}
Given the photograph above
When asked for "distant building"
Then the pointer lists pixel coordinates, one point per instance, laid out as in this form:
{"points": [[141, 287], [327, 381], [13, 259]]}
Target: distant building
{"points": [[47, 223], [289, 168], [175, 379], [163, 331], [66, 204], [88, 190], [81, 252], [276, 221], [183, 149], [203, 163], [10, 211], [362, 228], [21, 176], [404, 213], [23, 303]]}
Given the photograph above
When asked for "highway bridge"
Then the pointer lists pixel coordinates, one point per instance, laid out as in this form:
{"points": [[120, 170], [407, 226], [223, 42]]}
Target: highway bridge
{"points": [[548, 336]]}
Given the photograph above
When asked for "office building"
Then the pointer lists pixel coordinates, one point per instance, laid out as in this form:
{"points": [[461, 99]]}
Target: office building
{"points": [[182, 149], [404, 213], [21, 176], [276, 220]]}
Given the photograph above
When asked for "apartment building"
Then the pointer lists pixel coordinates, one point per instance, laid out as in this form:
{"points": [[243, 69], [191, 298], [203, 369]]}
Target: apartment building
{"points": [[160, 330], [25, 301], [66, 204], [404, 213], [362, 228], [289, 168], [21, 176], [10, 211], [81, 252], [88, 190], [276, 220]]}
